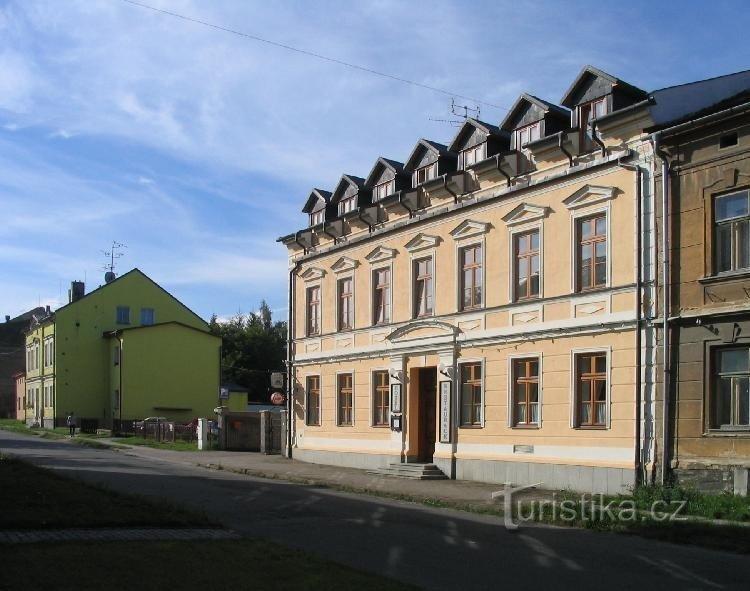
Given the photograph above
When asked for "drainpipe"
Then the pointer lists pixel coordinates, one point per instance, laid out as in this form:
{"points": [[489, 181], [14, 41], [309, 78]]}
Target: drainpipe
{"points": [[639, 315], [596, 138], [406, 207], [369, 225], [118, 334], [500, 170], [666, 300], [563, 150], [328, 234], [445, 186], [290, 361]]}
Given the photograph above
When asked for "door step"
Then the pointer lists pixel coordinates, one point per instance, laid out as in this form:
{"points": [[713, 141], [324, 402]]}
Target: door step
{"points": [[413, 471]]}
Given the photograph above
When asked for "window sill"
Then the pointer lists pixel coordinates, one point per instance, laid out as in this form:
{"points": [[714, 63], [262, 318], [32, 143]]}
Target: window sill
{"points": [[380, 426], [591, 427], [527, 427], [725, 276], [471, 426], [346, 426], [739, 431], [588, 290]]}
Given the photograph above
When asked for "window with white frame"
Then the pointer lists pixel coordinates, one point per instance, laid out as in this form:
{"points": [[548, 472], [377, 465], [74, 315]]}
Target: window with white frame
{"points": [[471, 394], [312, 402], [525, 376], [523, 136], [345, 288], [345, 399], [380, 398], [732, 232], [470, 156], [147, 316], [382, 190], [347, 204], [591, 252], [424, 174], [381, 296], [313, 310], [591, 389], [123, 314], [49, 352], [587, 112], [423, 287], [526, 264], [729, 395], [470, 258], [317, 217]]}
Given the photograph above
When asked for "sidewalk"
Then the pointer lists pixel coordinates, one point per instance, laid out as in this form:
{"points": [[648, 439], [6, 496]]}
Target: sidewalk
{"points": [[474, 495]]}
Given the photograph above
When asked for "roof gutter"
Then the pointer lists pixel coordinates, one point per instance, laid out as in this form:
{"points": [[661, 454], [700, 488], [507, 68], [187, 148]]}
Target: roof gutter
{"points": [[327, 233], [597, 139], [500, 170], [406, 207], [563, 150], [445, 186], [701, 121]]}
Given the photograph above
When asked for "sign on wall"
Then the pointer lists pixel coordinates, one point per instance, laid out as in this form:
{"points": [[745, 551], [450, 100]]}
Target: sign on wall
{"points": [[445, 411], [396, 398]]}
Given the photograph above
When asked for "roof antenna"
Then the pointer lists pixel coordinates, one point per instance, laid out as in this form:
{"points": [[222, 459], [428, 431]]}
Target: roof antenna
{"points": [[112, 254], [460, 114]]}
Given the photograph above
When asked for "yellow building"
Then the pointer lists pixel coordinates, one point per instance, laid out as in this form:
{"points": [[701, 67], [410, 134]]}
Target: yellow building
{"points": [[480, 307]]}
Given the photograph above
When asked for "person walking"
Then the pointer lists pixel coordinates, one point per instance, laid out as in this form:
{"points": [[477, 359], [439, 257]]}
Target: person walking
{"points": [[72, 423]]}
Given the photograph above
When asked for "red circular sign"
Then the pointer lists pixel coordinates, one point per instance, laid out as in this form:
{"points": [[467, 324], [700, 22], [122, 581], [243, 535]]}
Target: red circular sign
{"points": [[277, 398]]}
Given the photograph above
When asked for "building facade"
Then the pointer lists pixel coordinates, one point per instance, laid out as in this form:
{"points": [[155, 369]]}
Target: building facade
{"points": [[124, 351], [481, 307]]}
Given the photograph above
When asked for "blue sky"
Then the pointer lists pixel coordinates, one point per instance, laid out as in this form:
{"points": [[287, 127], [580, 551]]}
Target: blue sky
{"points": [[197, 148]]}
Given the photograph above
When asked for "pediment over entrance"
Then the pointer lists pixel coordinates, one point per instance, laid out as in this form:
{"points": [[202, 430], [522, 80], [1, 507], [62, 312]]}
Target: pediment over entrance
{"points": [[422, 330]]}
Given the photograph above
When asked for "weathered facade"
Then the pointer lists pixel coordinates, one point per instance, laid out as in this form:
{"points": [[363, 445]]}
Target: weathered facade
{"points": [[481, 306]]}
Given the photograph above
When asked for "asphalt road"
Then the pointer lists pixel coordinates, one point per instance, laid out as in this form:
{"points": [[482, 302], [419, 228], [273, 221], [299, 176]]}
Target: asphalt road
{"points": [[432, 548]]}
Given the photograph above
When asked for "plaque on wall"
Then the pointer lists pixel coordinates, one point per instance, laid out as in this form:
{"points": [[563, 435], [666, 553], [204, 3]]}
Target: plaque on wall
{"points": [[445, 411], [396, 422], [396, 398]]}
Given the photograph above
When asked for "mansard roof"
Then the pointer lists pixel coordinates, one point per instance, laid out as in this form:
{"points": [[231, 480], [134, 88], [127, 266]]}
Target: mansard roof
{"points": [[508, 124], [440, 150], [585, 76], [318, 199], [468, 127], [380, 164]]}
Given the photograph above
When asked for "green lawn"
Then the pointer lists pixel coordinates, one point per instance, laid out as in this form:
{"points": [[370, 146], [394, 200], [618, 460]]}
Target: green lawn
{"points": [[176, 446]]}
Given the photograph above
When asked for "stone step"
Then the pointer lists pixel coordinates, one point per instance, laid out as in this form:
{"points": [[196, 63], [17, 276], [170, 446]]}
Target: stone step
{"points": [[414, 471]]}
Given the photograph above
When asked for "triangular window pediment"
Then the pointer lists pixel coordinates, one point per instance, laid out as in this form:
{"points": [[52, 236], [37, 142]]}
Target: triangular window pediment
{"points": [[313, 273], [588, 195], [344, 264], [422, 241], [381, 253], [469, 228], [525, 212]]}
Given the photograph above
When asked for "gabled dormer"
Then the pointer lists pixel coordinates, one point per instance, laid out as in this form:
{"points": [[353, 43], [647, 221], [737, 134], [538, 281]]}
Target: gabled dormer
{"points": [[477, 141], [316, 205], [387, 178], [350, 194], [593, 95], [428, 161]]}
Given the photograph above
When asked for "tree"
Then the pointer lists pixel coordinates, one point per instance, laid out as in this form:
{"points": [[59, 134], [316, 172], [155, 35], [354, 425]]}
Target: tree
{"points": [[253, 346]]}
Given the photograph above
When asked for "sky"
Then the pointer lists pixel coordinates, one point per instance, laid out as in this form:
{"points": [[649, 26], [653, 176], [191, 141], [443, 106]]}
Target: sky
{"points": [[197, 148]]}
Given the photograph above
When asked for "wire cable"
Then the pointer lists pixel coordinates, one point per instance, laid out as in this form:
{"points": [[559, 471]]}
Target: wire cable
{"points": [[312, 54]]}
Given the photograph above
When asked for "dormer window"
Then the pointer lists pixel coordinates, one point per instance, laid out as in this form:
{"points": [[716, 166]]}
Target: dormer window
{"points": [[346, 205], [529, 133], [316, 217], [424, 174], [586, 113], [382, 190], [472, 155]]}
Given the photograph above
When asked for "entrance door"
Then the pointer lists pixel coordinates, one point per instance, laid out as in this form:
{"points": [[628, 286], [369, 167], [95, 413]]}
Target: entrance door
{"points": [[427, 412]]}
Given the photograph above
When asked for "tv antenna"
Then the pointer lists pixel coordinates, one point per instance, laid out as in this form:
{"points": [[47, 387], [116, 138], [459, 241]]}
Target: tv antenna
{"points": [[460, 113], [113, 254]]}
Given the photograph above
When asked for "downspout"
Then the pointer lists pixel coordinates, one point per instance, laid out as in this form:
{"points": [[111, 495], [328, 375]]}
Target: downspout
{"points": [[639, 315], [563, 150], [596, 138], [666, 301], [290, 361], [406, 207], [328, 234], [500, 170], [122, 357], [445, 186], [369, 225]]}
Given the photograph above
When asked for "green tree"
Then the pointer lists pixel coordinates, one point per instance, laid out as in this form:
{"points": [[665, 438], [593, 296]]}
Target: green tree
{"points": [[253, 346]]}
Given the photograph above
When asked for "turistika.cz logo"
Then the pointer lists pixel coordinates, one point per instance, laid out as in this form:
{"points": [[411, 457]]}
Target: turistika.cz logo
{"points": [[586, 508]]}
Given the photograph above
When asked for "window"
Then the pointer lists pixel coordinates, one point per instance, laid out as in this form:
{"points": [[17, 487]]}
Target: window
{"points": [[316, 217], [48, 395], [424, 174], [592, 252], [313, 310], [147, 316], [381, 296], [525, 392], [346, 304], [472, 155], [347, 204], [345, 391], [732, 232], [49, 352], [586, 113], [471, 277], [527, 268], [123, 314], [312, 389], [591, 390], [382, 190], [380, 393], [527, 134], [728, 140], [423, 287], [471, 394], [730, 394]]}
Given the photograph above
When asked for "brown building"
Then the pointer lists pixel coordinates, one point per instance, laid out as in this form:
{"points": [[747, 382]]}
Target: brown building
{"points": [[704, 174], [20, 403], [12, 360]]}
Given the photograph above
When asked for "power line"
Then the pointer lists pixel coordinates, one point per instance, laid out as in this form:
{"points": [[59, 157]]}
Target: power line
{"points": [[312, 54]]}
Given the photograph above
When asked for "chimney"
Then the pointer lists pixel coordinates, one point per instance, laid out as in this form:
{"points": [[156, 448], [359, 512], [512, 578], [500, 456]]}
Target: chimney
{"points": [[48, 311], [76, 291], [7, 318]]}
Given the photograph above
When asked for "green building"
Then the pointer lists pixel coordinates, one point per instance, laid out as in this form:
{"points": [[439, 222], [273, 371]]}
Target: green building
{"points": [[127, 350]]}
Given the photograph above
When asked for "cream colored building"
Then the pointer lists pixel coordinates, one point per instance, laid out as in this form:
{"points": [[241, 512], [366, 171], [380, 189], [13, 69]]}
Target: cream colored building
{"points": [[481, 307]]}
